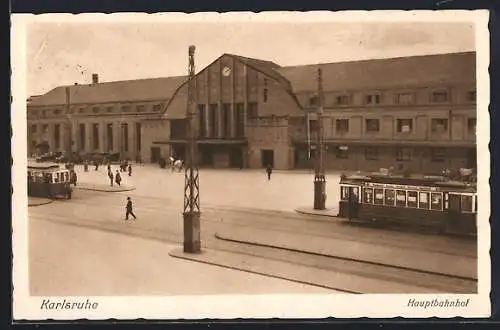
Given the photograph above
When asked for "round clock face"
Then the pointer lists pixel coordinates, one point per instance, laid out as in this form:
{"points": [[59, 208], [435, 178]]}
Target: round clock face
{"points": [[226, 71]]}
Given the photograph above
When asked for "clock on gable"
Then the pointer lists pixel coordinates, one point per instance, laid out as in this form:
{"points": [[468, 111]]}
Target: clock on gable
{"points": [[226, 71]]}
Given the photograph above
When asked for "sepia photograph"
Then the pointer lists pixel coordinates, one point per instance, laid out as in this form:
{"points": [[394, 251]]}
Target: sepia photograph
{"points": [[251, 165]]}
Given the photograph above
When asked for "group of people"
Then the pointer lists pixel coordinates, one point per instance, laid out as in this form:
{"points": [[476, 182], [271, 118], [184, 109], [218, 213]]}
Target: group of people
{"points": [[117, 178]]}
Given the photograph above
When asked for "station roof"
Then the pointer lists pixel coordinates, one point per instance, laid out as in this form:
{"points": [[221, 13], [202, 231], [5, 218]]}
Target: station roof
{"points": [[366, 74], [381, 73]]}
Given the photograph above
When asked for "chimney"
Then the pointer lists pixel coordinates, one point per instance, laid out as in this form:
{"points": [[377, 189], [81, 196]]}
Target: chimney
{"points": [[95, 78]]}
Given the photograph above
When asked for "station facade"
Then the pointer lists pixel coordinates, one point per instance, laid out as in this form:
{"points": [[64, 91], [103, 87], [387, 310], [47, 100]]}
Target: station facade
{"points": [[416, 113]]}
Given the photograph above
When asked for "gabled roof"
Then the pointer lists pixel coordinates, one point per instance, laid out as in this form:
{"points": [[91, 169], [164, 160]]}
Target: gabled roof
{"points": [[440, 69], [116, 91]]}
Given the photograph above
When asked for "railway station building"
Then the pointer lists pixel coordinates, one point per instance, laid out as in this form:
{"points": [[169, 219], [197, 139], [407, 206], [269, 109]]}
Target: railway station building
{"points": [[417, 113]]}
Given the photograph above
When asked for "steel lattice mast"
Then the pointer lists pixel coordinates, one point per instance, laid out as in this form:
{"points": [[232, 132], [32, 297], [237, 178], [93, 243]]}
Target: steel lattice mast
{"points": [[319, 169], [192, 212]]}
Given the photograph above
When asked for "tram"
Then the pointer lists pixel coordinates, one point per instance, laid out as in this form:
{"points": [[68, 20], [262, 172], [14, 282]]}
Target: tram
{"points": [[432, 201], [48, 180]]}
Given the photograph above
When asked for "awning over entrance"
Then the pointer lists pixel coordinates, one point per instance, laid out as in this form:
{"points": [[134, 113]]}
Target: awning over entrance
{"points": [[425, 143]]}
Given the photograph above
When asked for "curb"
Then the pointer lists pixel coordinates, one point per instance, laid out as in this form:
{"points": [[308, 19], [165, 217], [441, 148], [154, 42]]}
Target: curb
{"points": [[318, 213], [104, 190], [45, 202], [177, 254], [344, 258]]}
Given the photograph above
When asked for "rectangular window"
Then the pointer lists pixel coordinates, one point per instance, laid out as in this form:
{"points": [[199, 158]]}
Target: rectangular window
{"points": [[401, 198], [240, 120], [404, 98], [372, 99], [109, 109], [202, 120], [226, 120], [466, 203], [33, 128], [140, 108], [404, 125], [265, 94], [82, 136], [412, 199], [438, 154], [125, 136], [213, 120], [109, 136], [125, 108], [471, 96], [57, 135], [403, 154], [157, 107], [371, 153], [95, 136], [389, 197], [313, 101], [436, 201], [368, 195], [45, 128], [439, 125], [423, 200], [138, 136], [344, 193], [342, 125], [439, 96], [342, 100], [95, 109], [372, 125], [379, 196], [471, 125], [252, 110]]}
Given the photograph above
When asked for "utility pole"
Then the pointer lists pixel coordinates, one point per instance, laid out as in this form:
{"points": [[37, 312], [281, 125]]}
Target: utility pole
{"points": [[319, 170], [191, 213], [69, 126]]}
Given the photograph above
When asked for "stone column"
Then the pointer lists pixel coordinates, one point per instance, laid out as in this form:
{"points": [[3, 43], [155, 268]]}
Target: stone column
{"points": [[117, 137], [102, 137], [89, 144], [132, 145], [75, 141]]}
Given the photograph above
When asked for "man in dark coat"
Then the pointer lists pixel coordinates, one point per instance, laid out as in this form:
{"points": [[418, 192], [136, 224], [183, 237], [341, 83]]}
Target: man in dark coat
{"points": [[129, 209], [129, 169], [110, 176], [269, 171], [118, 178]]}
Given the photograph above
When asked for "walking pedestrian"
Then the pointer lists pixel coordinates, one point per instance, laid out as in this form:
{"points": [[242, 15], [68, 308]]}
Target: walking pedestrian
{"points": [[269, 171], [96, 164], [118, 178], [110, 176], [129, 169], [129, 209], [109, 166]]}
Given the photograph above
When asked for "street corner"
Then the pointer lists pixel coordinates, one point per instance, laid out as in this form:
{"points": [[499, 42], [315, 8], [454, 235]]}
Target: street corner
{"points": [[328, 212], [38, 201], [103, 187]]}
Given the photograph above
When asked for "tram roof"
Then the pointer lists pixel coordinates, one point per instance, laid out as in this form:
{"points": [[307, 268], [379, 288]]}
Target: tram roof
{"points": [[43, 166], [413, 180]]}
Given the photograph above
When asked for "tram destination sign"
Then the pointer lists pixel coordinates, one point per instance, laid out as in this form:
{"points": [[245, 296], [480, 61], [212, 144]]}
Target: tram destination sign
{"points": [[399, 186]]}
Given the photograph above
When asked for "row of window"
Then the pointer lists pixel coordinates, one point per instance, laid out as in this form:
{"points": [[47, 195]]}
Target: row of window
{"points": [[403, 125], [408, 198], [406, 98], [97, 110], [401, 154]]}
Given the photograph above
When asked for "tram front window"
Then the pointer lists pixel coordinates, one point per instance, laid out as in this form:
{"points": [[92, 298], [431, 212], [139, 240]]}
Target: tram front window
{"points": [[344, 193], [454, 202]]}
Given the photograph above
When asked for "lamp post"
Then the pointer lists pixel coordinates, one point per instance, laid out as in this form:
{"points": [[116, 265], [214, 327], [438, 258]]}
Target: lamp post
{"points": [[319, 169], [191, 215]]}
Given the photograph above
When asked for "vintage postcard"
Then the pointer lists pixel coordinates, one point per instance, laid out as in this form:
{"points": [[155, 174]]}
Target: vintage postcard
{"points": [[242, 165]]}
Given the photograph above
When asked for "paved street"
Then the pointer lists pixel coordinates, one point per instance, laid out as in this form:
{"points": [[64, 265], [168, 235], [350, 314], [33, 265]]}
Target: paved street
{"points": [[92, 262], [236, 188], [57, 248]]}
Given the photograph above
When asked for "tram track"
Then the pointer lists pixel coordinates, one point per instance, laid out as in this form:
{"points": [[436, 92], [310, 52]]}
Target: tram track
{"points": [[297, 223]]}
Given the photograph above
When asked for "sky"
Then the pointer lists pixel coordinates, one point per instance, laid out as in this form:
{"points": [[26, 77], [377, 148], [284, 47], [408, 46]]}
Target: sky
{"points": [[68, 53]]}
